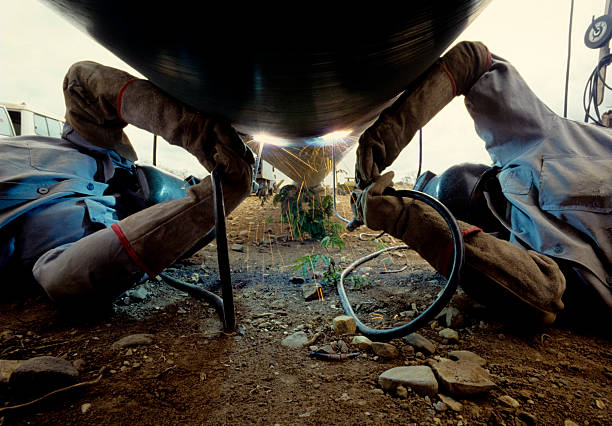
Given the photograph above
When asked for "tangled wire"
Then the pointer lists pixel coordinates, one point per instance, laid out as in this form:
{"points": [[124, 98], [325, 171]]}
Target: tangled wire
{"points": [[590, 97]]}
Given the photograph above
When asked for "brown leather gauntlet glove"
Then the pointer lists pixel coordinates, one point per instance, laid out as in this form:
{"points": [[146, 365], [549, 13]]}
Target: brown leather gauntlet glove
{"points": [[101, 101], [454, 74]]}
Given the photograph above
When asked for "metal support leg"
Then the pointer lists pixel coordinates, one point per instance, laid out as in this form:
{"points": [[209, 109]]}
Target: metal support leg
{"points": [[225, 304], [229, 315], [334, 182]]}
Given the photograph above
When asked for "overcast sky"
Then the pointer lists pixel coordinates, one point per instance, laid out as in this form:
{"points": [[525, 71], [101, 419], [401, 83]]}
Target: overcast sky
{"points": [[37, 46]]}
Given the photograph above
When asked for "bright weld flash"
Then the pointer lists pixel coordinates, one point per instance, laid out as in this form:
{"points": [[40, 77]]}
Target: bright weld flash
{"points": [[269, 139], [340, 134]]}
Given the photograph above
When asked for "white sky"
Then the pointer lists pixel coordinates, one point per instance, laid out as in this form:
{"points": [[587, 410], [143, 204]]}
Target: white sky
{"points": [[37, 46]]}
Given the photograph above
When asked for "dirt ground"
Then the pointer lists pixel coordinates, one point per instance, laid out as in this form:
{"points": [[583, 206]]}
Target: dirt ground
{"points": [[195, 374]]}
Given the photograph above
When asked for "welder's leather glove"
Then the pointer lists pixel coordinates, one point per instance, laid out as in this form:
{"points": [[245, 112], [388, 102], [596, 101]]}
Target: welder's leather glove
{"points": [[212, 140], [215, 143], [366, 209], [454, 74], [101, 101]]}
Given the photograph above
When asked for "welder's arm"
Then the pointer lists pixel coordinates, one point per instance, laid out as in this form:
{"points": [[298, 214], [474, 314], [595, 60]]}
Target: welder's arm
{"points": [[101, 101], [454, 74], [504, 276]]}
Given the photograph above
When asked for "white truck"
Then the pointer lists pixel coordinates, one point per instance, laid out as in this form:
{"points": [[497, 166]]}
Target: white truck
{"points": [[6, 125], [20, 119]]}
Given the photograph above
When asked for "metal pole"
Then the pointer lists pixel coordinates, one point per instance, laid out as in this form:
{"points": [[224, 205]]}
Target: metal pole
{"points": [[569, 55], [155, 150], [229, 316], [334, 181], [603, 51]]}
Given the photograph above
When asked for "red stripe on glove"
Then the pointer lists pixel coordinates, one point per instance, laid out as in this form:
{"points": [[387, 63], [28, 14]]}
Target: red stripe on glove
{"points": [[449, 248], [120, 96], [450, 76], [130, 250]]}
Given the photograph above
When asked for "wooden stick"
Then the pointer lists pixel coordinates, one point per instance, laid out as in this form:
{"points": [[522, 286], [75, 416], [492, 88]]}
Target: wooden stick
{"points": [[55, 392]]}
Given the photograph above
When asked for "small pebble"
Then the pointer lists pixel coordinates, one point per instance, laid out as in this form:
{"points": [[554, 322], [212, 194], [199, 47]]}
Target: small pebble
{"points": [[344, 324], [509, 401], [439, 406], [450, 402], [133, 340], [401, 391], [385, 350], [449, 334]]}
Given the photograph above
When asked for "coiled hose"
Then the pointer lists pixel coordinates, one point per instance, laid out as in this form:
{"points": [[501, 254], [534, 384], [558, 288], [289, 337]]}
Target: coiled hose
{"points": [[443, 297]]}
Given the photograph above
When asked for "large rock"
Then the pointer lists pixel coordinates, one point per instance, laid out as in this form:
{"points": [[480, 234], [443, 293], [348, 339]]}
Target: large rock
{"points": [[420, 343], [385, 350], [462, 378], [40, 375], [418, 377], [133, 340], [296, 340], [467, 356], [344, 324]]}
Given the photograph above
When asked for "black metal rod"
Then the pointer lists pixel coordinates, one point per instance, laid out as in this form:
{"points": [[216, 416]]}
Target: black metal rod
{"points": [[569, 56], [229, 315], [445, 295], [155, 150], [334, 181]]}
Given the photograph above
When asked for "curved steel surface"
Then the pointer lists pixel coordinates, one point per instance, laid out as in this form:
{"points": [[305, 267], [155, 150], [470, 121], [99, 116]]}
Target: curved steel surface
{"points": [[296, 73]]}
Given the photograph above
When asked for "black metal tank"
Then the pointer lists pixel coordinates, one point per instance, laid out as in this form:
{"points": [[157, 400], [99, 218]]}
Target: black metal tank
{"points": [[296, 71]]}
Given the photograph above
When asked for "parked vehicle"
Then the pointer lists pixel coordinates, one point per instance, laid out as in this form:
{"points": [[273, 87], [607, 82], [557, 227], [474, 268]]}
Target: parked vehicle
{"points": [[6, 125], [28, 121]]}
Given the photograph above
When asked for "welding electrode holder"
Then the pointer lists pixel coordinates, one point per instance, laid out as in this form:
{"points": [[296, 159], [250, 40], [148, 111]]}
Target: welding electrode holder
{"points": [[443, 297], [225, 304]]}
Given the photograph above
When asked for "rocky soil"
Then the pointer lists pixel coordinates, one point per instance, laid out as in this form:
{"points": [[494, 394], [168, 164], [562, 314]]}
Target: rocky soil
{"points": [[160, 357]]}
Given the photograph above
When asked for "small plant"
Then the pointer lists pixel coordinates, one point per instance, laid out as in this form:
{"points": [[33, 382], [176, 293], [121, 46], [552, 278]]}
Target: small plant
{"points": [[333, 240], [269, 219], [358, 281], [310, 262], [380, 244], [331, 275], [307, 212]]}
